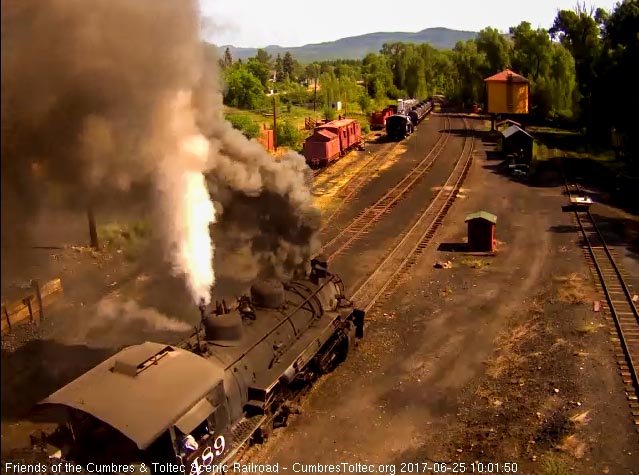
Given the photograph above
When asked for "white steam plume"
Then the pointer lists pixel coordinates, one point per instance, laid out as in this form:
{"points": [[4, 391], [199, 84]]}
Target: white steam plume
{"points": [[185, 209]]}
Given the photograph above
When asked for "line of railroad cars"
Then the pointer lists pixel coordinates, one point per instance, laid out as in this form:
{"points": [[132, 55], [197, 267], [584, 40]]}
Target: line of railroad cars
{"points": [[331, 141], [403, 123]]}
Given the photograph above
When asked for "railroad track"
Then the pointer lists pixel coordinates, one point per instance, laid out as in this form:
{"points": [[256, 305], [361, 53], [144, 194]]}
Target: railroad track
{"points": [[356, 183], [374, 213], [403, 256], [619, 301], [389, 273], [322, 170]]}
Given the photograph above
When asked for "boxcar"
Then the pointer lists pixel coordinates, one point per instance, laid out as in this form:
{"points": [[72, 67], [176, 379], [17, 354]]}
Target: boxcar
{"points": [[378, 118], [331, 141]]}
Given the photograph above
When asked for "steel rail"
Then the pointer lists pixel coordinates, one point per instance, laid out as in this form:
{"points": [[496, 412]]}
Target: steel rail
{"points": [[357, 182], [605, 283], [397, 262], [372, 214]]}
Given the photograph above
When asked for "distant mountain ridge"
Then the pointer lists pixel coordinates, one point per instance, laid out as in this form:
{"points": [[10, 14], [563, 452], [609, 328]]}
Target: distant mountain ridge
{"points": [[356, 47]]}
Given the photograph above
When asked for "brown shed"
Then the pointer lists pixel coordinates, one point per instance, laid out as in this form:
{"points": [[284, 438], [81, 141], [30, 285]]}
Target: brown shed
{"points": [[481, 231]]}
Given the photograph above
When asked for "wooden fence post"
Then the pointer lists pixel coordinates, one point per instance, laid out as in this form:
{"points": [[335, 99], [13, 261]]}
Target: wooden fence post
{"points": [[93, 233], [35, 285], [27, 302], [6, 316]]}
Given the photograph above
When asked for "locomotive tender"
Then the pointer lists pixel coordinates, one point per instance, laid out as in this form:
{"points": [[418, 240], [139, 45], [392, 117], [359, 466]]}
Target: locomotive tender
{"points": [[195, 404], [399, 126], [409, 115]]}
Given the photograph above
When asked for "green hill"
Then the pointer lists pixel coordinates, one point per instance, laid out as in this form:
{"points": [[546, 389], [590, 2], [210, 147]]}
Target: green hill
{"points": [[356, 47]]}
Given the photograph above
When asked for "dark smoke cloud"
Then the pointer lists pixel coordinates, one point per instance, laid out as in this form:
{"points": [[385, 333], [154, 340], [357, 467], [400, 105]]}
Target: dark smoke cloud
{"points": [[90, 114]]}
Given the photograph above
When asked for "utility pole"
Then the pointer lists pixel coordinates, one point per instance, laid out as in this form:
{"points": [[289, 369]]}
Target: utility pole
{"points": [[274, 125], [315, 73], [315, 96], [93, 232]]}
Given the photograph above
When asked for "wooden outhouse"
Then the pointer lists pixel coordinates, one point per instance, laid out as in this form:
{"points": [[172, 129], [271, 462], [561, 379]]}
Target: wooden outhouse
{"points": [[481, 231]]}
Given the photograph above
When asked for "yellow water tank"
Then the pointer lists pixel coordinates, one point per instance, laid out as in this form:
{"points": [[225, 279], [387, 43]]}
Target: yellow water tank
{"points": [[507, 93]]}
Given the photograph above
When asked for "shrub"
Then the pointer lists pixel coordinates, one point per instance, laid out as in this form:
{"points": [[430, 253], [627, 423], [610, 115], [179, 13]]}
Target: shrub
{"points": [[365, 103], [329, 113], [287, 135], [244, 124]]}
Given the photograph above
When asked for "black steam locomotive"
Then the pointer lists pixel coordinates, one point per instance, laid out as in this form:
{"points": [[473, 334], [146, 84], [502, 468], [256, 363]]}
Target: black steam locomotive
{"points": [[195, 404], [402, 124]]}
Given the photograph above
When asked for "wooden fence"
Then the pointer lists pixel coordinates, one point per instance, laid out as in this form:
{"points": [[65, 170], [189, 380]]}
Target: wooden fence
{"points": [[31, 307]]}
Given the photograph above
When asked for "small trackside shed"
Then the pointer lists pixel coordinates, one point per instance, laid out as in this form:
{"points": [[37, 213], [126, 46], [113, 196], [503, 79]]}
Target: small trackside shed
{"points": [[518, 143], [481, 231]]}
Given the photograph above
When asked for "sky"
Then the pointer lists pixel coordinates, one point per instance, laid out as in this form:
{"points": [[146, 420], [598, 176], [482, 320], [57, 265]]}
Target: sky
{"points": [[299, 22]]}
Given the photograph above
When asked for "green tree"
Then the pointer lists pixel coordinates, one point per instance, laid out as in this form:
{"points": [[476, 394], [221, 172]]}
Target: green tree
{"points": [[288, 66], [244, 90], [469, 82], [395, 54], [287, 135], [263, 57], [496, 49], [329, 113], [227, 61], [619, 89], [364, 102], [415, 82], [580, 31], [279, 68], [312, 71], [532, 52], [378, 77], [259, 70]]}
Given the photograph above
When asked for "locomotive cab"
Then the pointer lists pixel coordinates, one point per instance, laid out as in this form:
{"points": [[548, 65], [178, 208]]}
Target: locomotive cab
{"points": [[148, 403]]}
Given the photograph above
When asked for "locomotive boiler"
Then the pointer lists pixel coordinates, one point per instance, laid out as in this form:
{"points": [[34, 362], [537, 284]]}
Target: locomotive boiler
{"points": [[196, 403]]}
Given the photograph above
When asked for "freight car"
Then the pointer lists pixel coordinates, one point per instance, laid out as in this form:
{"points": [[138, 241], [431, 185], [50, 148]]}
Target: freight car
{"points": [[331, 141], [196, 403], [378, 118], [405, 105], [419, 111], [399, 126]]}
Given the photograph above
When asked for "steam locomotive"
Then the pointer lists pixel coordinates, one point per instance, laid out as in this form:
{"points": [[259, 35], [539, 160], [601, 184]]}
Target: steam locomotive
{"points": [[402, 124], [194, 404]]}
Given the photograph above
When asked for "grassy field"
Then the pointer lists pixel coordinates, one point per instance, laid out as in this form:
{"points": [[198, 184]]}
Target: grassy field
{"points": [[553, 143], [297, 115]]}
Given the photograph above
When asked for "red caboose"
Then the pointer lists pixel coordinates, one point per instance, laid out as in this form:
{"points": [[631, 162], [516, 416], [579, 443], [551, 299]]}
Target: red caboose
{"points": [[331, 141]]}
